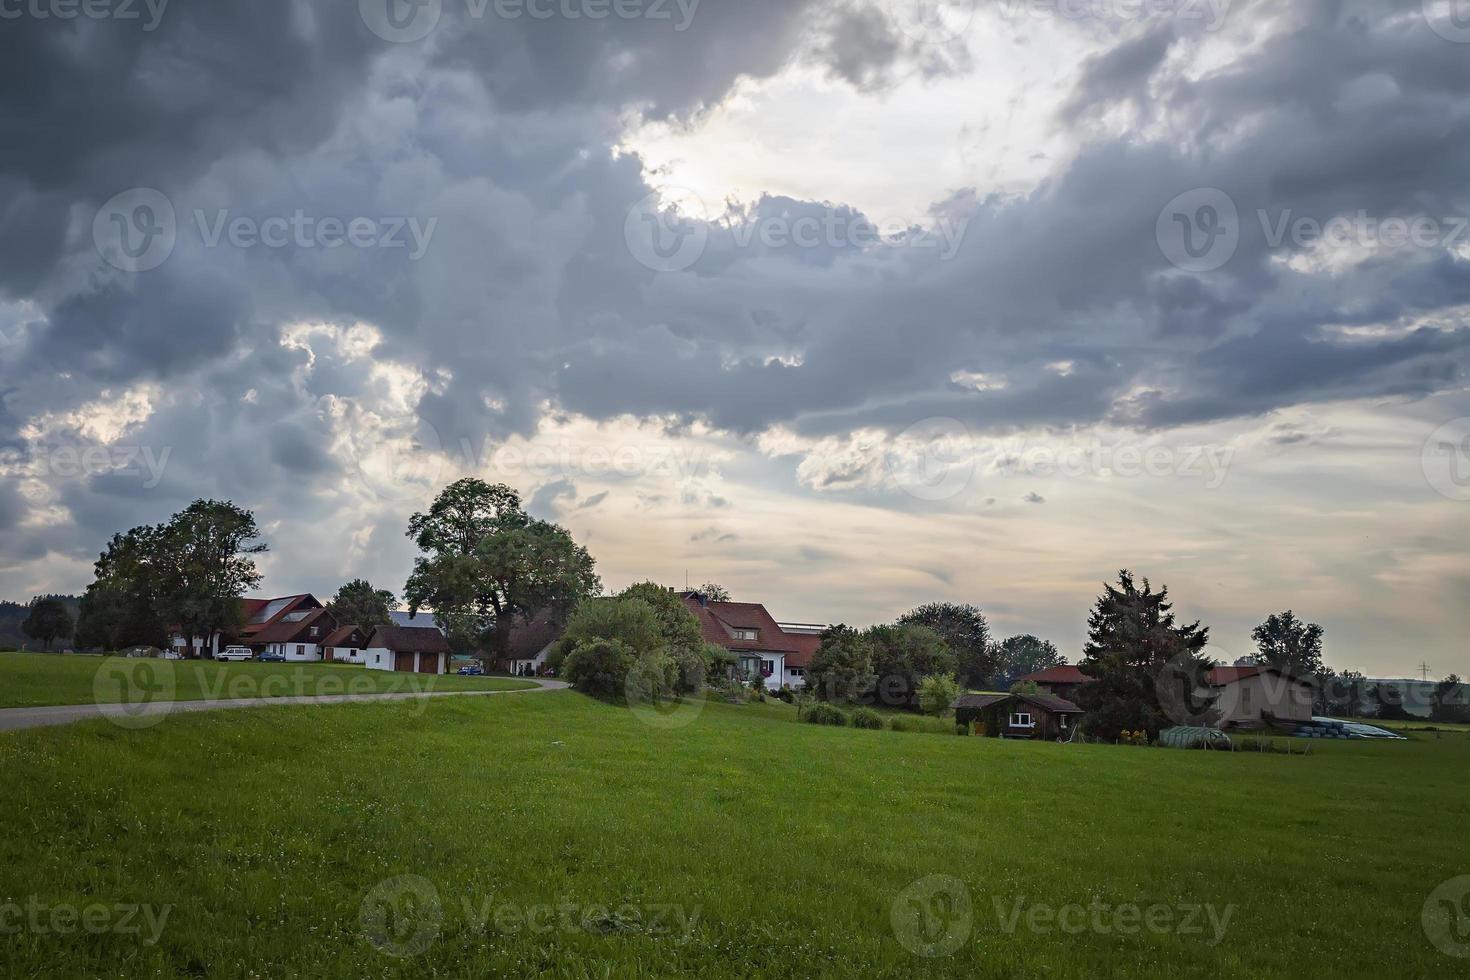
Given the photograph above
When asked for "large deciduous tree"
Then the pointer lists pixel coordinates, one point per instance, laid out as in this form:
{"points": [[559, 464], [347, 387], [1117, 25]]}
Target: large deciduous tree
{"points": [[963, 629], [1290, 645], [1149, 668], [47, 621], [842, 667], [714, 592], [1022, 655], [204, 556], [121, 607], [1449, 702], [903, 655], [357, 603], [486, 563]]}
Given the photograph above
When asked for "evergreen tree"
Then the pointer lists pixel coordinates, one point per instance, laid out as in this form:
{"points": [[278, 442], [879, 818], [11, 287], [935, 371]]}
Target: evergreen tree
{"points": [[1149, 669]]}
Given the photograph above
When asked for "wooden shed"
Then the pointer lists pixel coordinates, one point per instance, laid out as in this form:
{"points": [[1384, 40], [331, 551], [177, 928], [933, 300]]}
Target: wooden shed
{"points": [[1040, 716]]}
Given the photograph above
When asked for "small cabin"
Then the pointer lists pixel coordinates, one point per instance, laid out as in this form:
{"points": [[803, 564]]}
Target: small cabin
{"points": [[1033, 716]]}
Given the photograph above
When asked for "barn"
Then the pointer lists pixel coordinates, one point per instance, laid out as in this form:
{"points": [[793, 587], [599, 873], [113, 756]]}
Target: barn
{"points": [[1039, 716], [408, 649]]}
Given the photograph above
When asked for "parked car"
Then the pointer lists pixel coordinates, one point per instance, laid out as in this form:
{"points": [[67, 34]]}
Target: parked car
{"points": [[471, 670], [272, 658], [235, 653], [171, 655]]}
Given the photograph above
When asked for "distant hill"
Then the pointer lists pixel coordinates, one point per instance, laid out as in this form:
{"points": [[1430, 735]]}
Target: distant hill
{"points": [[12, 614]]}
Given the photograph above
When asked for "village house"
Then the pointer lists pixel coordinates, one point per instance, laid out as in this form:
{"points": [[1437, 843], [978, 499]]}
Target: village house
{"points": [[1062, 681], [294, 626], [1034, 716], [1253, 695], [409, 649], [779, 655]]}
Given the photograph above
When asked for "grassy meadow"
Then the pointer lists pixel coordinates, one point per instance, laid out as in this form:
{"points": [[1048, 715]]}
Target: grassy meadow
{"points": [[35, 679], [553, 834]]}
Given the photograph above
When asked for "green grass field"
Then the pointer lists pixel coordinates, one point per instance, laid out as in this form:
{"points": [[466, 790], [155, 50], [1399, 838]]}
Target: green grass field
{"points": [[35, 679], [553, 834]]}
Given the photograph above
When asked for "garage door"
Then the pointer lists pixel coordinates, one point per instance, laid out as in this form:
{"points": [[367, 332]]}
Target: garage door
{"points": [[403, 661], [428, 663]]}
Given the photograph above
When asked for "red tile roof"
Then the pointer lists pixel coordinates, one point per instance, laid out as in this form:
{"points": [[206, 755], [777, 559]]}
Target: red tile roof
{"points": [[346, 636], [719, 620], [279, 630], [1220, 676], [1065, 674]]}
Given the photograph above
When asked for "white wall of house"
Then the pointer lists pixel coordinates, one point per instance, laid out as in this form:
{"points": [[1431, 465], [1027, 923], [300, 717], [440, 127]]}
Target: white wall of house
{"points": [[298, 652], [535, 664], [795, 677], [1244, 700], [379, 658], [181, 643], [349, 655]]}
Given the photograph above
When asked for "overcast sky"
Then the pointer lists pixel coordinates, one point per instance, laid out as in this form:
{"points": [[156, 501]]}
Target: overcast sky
{"points": [[846, 305]]}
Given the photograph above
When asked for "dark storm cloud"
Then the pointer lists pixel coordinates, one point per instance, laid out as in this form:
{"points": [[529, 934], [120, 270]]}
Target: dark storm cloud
{"points": [[527, 299]]}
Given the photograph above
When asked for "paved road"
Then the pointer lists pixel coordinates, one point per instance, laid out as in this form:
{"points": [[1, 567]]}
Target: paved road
{"points": [[146, 715]]}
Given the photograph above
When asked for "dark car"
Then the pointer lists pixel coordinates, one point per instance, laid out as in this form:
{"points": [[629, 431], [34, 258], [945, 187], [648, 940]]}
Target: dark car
{"points": [[471, 670], [272, 658]]}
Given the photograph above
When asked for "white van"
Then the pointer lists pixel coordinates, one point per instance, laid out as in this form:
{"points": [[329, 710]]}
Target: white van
{"points": [[235, 653]]}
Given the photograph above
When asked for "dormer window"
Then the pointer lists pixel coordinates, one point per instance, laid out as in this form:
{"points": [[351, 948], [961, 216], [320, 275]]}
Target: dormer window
{"points": [[745, 634]]}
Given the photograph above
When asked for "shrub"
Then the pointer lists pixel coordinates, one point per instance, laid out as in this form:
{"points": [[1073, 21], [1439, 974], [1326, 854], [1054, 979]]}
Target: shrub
{"points": [[786, 694], [866, 718], [936, 693], [599, 667], [901, 723], [824, 714], [962, 729]]}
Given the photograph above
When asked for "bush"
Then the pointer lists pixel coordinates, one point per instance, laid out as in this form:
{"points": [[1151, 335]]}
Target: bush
{"points": [[866, 718], [824, 714], [786, 694], [599, 667], [962, 729], [936, 693], [902, 723]]}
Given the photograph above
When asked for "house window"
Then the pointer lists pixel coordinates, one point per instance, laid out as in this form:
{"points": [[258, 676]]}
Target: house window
{"points": [[1021, 719], [1062, 720], [315, 630], [352, 652], [798, 671], [300, 650], [745, 634], [768, 667], [1245, 697]]}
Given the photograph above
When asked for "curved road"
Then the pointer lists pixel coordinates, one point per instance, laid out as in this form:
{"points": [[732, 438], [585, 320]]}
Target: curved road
{"points": [[144, 715]]}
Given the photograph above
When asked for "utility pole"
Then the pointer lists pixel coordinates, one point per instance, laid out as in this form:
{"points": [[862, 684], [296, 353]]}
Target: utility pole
{"points": [[1424, 670]]}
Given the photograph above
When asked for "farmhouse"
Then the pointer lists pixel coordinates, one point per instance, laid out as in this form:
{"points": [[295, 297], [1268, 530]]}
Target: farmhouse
{"points": [[1253, 695], [747, 630], [1043, 716], [410, 649], [294, 626]]}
